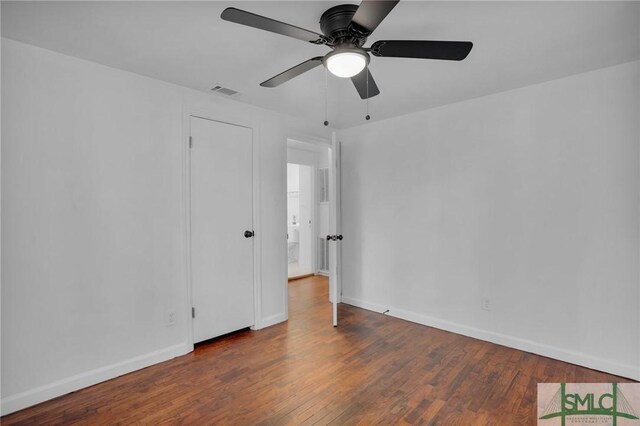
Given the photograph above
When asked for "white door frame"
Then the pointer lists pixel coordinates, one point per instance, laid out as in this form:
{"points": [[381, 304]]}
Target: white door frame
{"points": [[207, 114]]}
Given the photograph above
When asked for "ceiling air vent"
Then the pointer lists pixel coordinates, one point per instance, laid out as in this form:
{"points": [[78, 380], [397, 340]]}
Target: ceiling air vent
{"points": [[223, 90]]}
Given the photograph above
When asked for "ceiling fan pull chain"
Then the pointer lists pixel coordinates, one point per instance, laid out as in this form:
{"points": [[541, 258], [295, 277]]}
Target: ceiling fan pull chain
{"points": [[367, 117], [326, 119]]}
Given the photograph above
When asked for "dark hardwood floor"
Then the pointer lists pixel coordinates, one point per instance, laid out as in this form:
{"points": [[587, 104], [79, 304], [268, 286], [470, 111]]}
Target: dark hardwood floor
{"points": [[372, 369]]}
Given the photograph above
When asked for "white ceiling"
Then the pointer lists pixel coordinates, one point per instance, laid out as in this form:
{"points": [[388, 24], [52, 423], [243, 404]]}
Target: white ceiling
{"points": [[515, 44]]}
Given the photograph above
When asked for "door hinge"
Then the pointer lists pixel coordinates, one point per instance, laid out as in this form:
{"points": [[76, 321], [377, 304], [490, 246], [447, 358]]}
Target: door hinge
{"points": [[190, 142], [193, 312]]}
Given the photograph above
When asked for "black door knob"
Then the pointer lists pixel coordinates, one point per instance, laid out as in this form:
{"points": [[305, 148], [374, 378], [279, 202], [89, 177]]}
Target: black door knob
{"points": [[248, 234]]}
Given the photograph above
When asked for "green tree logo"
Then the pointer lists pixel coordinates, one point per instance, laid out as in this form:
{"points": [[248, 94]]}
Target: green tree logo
{"points": [[614, 405]]}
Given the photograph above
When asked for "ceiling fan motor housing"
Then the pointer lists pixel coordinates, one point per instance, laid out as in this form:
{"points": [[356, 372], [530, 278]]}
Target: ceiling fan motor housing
{"points": [[336, 25]]}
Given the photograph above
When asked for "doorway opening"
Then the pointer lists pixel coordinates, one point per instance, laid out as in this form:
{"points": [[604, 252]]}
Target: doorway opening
{"points": [[311, 202], [308, 209], [300, 224]]}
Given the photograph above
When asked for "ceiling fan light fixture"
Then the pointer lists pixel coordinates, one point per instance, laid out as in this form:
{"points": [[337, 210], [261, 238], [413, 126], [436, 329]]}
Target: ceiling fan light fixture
{"points": [[345, 29], [346, 63]]}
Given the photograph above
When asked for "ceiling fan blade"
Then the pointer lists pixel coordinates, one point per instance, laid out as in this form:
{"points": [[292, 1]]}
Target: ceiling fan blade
{"points": [[365, 89], [292, 72], [242, 17], [423, 49], [370, 13]]}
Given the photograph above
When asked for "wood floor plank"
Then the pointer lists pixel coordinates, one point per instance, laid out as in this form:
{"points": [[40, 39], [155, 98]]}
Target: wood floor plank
{"points": [[372, 369]]}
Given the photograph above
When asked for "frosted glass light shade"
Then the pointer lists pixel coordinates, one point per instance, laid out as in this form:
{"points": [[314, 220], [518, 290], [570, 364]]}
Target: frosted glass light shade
{"points": [[346, 64]]}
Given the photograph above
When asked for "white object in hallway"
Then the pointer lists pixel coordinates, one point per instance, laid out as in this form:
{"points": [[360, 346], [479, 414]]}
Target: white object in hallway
{"points": [[305, 206], [221, 212], [299, 217]]}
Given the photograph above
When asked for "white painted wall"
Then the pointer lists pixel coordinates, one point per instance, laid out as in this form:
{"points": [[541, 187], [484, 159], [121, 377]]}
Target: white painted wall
{"points": [[93, 234], [529, 197], [293, 179], [293, 186], [0, 221]]}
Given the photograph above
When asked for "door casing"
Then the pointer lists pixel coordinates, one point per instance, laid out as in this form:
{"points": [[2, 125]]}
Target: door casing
{"points": [[205, 114]]}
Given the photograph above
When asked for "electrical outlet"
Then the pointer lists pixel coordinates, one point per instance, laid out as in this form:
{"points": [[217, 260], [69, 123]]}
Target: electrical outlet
{"points": [[171, 317], [486, 304]]}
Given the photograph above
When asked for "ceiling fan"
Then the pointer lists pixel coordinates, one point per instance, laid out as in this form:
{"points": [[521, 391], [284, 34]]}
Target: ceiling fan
{"points": [[345, 29]]}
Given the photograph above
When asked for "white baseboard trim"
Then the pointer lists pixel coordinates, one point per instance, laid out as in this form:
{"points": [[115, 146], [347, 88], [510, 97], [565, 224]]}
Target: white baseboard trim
{"points": [[61, 387], [578, 358], [273, 320]]}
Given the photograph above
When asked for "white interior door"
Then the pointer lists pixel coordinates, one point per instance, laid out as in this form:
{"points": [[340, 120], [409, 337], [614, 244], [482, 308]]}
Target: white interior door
{"points": [[221, 212], [335, 289]]}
